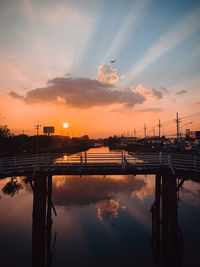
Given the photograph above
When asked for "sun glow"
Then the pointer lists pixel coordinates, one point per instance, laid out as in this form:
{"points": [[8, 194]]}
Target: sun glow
{"points": [[65, 125]]}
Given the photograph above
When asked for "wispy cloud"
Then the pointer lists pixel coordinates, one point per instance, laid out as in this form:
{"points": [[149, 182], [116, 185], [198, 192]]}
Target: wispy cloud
{"points": [[157, 93], [149, 110], [181, 92], [185, 27], [14, 94]]}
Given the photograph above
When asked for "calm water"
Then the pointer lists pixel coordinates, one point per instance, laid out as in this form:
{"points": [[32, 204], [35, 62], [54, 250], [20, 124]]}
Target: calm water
{"points": [[101, 221]]}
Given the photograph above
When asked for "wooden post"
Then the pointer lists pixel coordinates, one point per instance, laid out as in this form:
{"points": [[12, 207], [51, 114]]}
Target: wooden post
{"points": [[85, 157], [157, 206], [170, 234], [173, 223], [81, 159], [122, 158], [39, 220], [49, 221], [156, 220], [165, 218]]}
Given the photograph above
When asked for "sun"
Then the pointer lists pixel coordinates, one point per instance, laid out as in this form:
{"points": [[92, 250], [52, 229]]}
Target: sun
{"points": [[65, 125]]}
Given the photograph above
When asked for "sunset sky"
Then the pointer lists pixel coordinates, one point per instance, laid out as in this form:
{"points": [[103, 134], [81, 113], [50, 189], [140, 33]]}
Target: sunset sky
{"points": [[55, 64]]}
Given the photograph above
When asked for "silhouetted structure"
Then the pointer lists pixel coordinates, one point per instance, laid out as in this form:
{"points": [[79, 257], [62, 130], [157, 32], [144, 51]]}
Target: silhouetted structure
{"points": [[166, 236], [42, 221]]}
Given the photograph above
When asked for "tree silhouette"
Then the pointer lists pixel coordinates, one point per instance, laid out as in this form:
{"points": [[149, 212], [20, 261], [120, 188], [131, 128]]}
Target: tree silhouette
{"points": [[12, 187], [4, 131]]}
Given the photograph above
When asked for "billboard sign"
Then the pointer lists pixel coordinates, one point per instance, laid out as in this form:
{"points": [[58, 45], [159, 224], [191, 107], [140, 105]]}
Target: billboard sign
{"points": [[48, 130]]}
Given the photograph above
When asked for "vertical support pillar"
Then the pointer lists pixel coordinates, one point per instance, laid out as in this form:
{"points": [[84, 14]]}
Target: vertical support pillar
{"points": [[85, 157], [157, 206], [49, 221], [173, 222], [156, 220], [165, 216], [170, 231], [39, 220]]}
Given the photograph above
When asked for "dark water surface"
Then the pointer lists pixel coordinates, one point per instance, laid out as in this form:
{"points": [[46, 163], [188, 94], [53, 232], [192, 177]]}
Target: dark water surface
{"points": [[101, 221]]}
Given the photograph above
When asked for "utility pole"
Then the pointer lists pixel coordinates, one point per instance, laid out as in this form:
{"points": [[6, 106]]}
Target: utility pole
{"points": [[159, 126], [177, 126], [134, 132], [37, 127], [153, 131], [145, 131]]}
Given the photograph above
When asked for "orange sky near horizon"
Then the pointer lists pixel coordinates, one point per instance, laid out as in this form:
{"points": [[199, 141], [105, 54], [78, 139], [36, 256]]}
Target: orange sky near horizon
{"points": [[95, 122]]}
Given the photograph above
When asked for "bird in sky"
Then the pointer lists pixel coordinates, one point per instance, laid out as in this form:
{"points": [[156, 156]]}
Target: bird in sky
{"points": [[113, 61]]}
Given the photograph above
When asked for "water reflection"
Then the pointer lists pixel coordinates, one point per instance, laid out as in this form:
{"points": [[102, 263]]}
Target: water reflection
{"points": [[12, 187], [107, 209], [80, 191], [121, 200], [166, 240]]}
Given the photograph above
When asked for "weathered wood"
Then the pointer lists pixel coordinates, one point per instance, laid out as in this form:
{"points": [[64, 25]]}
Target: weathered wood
{"points": [[39, 220], [49, 221]]}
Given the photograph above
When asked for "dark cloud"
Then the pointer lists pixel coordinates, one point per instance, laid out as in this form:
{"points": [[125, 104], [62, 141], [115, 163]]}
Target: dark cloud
{"points": [[159, 93], [150, 110], [15, 95], [81, 93], [181, 92]]}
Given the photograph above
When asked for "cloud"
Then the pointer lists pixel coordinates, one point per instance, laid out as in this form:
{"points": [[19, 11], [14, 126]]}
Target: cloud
{"points": [[107, 209], [150, 110], [76, 190], [181, 92], [81, 93], [152, 92], [15, 95], [107, 75]]}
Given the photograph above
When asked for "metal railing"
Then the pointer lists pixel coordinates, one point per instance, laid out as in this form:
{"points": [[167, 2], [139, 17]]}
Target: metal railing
{"points": [[175, 161]]}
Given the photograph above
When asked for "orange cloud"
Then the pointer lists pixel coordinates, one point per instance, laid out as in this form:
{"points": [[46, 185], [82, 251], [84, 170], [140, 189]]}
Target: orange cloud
{"points": [[81, 93], [107, 75]]}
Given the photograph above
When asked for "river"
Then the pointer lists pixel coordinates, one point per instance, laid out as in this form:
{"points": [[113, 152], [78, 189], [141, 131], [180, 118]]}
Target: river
{"points": [[101, 221]]}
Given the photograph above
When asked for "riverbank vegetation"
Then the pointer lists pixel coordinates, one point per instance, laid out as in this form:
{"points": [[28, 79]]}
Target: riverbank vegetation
{"points": [[11, 144]]}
